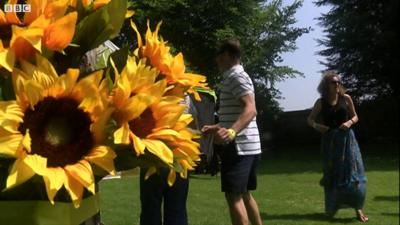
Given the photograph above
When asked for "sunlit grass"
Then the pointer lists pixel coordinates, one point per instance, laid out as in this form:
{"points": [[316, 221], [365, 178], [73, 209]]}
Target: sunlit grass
{"points": [[288, 193]]}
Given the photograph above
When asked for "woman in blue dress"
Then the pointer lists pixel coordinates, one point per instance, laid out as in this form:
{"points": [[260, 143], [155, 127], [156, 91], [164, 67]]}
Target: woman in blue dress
{"points": [[343, 178]]}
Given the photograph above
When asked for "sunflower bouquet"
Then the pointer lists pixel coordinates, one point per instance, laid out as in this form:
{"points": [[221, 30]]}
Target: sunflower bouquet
{"points": [[63, 127]]}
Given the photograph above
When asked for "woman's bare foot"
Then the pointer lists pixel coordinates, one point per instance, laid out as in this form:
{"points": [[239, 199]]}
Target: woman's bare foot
{"points": [[361, 216]]}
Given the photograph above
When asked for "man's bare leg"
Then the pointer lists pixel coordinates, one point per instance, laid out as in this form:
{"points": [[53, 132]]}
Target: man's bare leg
{"points": [[237, 209], [252, 209]]}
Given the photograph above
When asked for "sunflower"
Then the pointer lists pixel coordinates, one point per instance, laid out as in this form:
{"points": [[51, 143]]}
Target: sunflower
{"points": [[47, 24], [149, 120], [54, 129], [155, 130], [185, 148], [172, 67]]}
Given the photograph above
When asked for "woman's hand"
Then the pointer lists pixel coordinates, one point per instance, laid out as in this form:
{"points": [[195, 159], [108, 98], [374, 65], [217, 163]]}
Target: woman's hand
{"points": [[210, 129], [221, 134], [320, 127], [346, 125]]}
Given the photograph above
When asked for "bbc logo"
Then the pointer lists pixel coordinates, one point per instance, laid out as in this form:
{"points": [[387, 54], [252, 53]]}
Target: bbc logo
{"points": [[17, 8]]}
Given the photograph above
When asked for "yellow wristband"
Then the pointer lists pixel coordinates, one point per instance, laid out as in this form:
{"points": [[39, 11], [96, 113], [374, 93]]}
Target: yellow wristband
{"points": [[232, 133]]}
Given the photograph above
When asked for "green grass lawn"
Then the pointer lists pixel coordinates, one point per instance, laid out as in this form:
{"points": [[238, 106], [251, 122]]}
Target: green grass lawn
{"points": [[288, 192]]}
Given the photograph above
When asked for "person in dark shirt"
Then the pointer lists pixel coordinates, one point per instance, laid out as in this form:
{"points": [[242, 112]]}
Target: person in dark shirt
{"points": [[343, 179]]}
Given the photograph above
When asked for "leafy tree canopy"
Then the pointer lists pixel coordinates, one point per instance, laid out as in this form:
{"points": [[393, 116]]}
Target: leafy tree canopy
{"points": [[362, 44], [264, 28]]}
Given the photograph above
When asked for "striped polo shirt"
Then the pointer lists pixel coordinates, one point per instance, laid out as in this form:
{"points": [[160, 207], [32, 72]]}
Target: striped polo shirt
{"points": [[237, 83]]}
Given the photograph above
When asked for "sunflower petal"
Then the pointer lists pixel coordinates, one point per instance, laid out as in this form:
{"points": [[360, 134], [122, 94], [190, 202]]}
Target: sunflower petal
{"points": [[82, 172], [7, 59], [26, 141], [24, 168], [99, 127], [103, 156], [59, 34], [121, 136], [19, 173], [75, 190], [151, 170], [139, 37], [56, 9], [137, 104], [164, 134], [34, 92], [160, 149], [10, 116], [9, 144], [138, 144], [54, 179], [32, 35], [37, 163], [171, 177]]}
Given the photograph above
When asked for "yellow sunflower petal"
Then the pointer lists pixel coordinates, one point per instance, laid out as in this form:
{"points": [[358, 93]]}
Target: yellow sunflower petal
{"points": [[9, 143], [171, 177], [34, 92], [100, 125], [36, 10], [103, 156], [122, 91], [20, 172], [10, 116], [56, 9], [3, 19], [164, 134], [40, 22], [139, 37], [75, 190], [138, 144], [160, 149], [12, 17], [32, 35], [24, 168], [37, 163], [151, 170], [82, 172], [68, 80], [121, 135], [54, 179], [45, 66], [99, 3], [129, 13], [137, 104], [26, 141], [7, 59], [158, 89], [59, 34]]}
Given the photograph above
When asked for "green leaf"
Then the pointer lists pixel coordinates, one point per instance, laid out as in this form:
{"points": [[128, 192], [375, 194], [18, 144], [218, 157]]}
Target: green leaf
{"points": [[103, 24], [119, 57], [6, 86]]}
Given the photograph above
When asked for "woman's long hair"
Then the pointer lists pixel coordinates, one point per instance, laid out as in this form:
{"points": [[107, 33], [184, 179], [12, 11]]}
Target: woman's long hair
{"points": [[323, 87]]}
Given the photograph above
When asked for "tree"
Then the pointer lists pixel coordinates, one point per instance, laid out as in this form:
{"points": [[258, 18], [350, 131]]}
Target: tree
{"points": [[361, 44], [265, 30]]}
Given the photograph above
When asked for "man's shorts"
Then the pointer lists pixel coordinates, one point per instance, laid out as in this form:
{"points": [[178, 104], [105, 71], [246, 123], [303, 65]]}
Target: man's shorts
{"points": [[238, 172]]}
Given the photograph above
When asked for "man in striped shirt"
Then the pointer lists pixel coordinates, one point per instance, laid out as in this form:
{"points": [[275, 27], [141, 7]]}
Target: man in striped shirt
{"points": [[237, 133]]}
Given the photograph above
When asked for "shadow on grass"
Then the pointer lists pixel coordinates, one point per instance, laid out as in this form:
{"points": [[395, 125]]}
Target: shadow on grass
{"points": [[387, 198], [310, 216]]}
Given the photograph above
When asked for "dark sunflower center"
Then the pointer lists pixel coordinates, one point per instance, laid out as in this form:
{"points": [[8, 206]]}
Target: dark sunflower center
{"points": [[5, 34], [59, 131], [143, 125]]}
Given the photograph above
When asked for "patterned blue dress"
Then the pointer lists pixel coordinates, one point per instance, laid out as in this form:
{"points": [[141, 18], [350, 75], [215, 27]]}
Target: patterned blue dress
{"points": [[344, 180]]}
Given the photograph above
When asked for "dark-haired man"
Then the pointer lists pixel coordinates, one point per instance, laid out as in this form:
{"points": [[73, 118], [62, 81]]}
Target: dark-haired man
{"points": [[237, 133]]}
